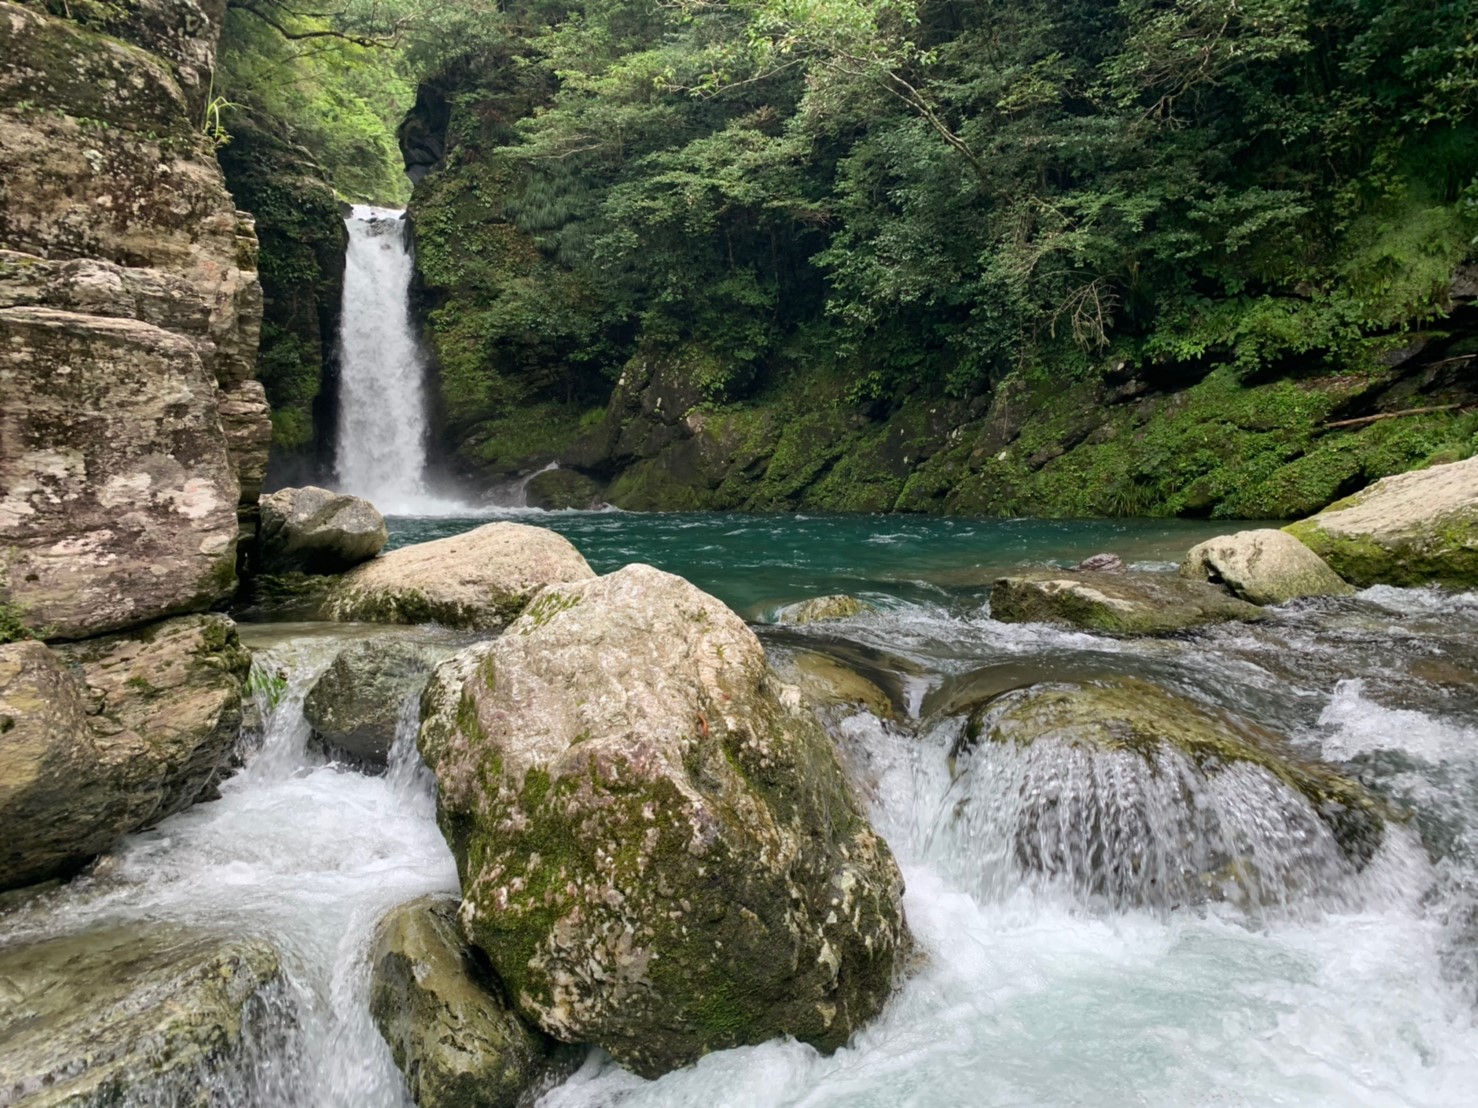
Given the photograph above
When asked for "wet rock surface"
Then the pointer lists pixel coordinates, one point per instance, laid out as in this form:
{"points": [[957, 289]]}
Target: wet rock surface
{"points": [[131, 1015], [1115, 602], [479, 580], [658, 850], [1263, 567], [313, 530], [442, 1012], [821, 608], [1412, 529], [356, 706], [103, 737]]}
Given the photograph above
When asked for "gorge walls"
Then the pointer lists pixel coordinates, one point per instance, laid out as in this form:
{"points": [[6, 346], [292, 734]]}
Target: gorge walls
{"points": [[132, 430]]}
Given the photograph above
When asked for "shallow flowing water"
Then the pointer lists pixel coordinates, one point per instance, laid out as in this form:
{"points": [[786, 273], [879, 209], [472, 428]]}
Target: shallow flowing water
{"points": [[1329, 987]]}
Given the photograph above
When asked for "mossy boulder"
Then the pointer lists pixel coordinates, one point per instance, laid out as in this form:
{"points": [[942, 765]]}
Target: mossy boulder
{"points": [[133, 1014], [1116, 603], [829, 683], [554, 489], [658, 850], [355, 706], [313, 530], [1415, 528], [822, 608], [1148, 794], [106, 736], [1263, 567], [443, 1014], [480, 580]]}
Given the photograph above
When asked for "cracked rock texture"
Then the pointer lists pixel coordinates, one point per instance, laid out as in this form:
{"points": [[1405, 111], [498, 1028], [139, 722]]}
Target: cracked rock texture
{"points": [[658, 850], [129, 316]]}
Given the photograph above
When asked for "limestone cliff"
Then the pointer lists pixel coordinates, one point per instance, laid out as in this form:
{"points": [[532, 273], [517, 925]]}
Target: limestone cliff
{"points": [[131, 425]]}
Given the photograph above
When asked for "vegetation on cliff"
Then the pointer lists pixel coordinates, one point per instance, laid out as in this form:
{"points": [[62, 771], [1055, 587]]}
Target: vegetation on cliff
{"points": [[898, 204]]}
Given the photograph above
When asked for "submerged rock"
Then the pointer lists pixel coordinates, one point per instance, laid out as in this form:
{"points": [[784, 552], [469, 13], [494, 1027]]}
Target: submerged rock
{"points": [[458, 1042], [1130, 791], [828, 683], [1116, 602], [132, 1015], [1263, 567], [479, 580], [313, 530], [821, 608], [1412, 529], [103, 737], [658, 850], [355, 706]]}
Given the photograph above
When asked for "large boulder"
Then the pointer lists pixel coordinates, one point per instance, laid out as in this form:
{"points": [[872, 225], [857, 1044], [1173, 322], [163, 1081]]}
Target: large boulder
{"points": [[313, 530], [133, 1014], [129, 318], [103, 737], [449, 1029], [480, 580], [355, 705], [1129, 791], [1115, 602], [658, 850], [1412, 529], [1263, 567]]}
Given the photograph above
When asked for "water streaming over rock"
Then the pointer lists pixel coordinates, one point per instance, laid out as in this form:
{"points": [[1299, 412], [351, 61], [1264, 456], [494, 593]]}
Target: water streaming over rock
{"points": [[382, 427], [1096, 980]]}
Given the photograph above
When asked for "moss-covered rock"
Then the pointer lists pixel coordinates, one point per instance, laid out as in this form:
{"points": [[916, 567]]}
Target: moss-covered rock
{"points": [[821, 608], [134, 1014], [1117, 603], [554, 489], [443, 1014], [1263, 567], [1412, 529], [479, 580], [102, 737], [1201, 778], [658, 850]]}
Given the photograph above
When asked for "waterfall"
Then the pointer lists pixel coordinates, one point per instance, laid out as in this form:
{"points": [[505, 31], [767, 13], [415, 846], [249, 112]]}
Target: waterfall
{"points": [[381, 449]]}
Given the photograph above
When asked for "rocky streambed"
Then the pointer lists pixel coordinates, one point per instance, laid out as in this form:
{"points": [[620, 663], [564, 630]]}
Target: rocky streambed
{"points": [[609, 844]]}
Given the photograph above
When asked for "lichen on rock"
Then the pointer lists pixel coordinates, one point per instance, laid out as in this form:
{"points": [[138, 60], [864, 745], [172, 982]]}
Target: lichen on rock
{"points": [[658, 849]]}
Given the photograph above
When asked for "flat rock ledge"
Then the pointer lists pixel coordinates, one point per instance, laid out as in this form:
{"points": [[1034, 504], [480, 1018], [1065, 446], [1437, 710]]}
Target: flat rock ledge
{"points": [[133, 1014], [1415, 528], [478, 581], [1115, 603]]}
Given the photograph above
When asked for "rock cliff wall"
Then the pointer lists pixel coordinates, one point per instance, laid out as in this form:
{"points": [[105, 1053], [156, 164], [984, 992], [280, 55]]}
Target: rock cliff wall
{"points": [[131, 426]]}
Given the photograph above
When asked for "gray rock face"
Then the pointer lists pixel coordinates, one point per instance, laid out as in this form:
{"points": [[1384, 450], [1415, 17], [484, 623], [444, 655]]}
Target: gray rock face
{"points": [[449, 1029], [129, 317], [1263, 567], [104, 737], [354, 707], [129, 1015], [1119, 603], [1412, 529], [479, 580], [658, 849], [313, 530], [119, 502], [821, 608]]}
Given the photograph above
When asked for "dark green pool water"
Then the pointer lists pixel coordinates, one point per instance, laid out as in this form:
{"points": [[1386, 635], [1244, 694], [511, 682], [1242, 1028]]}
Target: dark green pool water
{"points": [[756, 563]]}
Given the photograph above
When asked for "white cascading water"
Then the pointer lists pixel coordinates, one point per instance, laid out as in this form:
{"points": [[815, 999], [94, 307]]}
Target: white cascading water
{"points": [[382, 429]]}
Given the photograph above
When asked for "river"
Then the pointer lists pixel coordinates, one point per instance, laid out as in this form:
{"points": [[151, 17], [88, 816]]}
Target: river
{"points": [[1032, 993]]}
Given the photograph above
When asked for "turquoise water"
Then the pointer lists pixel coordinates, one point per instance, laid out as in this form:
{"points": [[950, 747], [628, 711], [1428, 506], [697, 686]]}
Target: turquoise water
{"points": [[755, 563]]}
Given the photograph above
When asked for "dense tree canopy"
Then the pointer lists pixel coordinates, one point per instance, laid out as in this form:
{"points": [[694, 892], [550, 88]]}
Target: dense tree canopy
{"points": [[919, 194]]}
